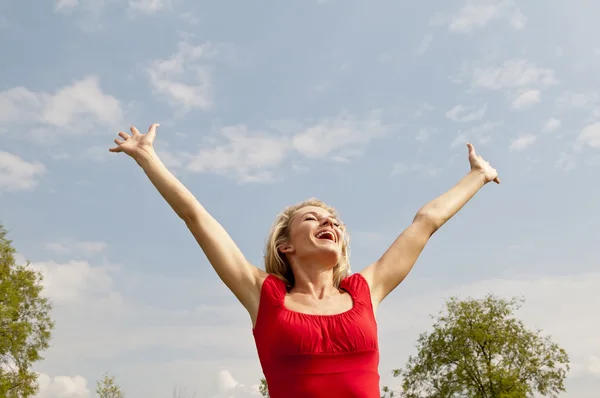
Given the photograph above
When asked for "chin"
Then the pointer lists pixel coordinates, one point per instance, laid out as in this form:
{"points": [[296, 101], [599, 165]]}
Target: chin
{"points": [[330, 258]]}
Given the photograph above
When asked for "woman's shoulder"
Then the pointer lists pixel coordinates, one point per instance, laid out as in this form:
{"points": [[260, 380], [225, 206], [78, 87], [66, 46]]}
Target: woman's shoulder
{"points": [[354, 281]]}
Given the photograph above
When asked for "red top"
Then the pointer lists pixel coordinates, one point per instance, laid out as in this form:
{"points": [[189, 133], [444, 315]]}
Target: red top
{"points": [[313, 356]]}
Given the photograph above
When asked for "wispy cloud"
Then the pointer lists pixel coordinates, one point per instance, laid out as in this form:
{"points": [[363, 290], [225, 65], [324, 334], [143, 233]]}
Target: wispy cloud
{"points": [[342, 137], [590, 135], [76, 282], [522, 142], [249, 156], [62, 386], [570, 100], [476, 14], [148, 6], [551, 125], [480, 134], [17, 174], [424, 44], [71, 109], [462, 113], [183, 79], [62, 5], [514, 73], [86, 248], [526, 99], [424, 134], [426, 170]]}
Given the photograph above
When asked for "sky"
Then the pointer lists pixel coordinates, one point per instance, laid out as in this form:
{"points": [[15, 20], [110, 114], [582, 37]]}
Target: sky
{"points": [[366, 105]]}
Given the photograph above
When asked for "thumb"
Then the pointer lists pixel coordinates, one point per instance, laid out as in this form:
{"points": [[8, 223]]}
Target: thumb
{"points": [[471, 150], [152, 130]]}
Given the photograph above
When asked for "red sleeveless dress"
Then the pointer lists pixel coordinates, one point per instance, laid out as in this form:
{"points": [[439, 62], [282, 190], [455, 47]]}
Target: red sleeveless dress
{"points": [[314, 356]]}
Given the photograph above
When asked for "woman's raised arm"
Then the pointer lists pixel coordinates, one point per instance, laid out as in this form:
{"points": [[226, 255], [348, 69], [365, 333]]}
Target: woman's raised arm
{"points": [[241, 277], [386, 273]]}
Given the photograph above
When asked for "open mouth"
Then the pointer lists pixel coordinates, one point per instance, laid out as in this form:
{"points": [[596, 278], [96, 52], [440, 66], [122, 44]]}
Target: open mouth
{"points": [[326, 235]]}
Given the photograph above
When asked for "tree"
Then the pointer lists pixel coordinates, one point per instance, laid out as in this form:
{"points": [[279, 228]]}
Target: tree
{"points": [[108, 388], [263, 388], [478, 349], [25, 323]]}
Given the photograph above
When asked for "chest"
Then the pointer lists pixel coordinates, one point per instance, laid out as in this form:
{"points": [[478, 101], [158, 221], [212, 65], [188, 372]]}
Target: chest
{"points": [[330, 306], [293, 333]]}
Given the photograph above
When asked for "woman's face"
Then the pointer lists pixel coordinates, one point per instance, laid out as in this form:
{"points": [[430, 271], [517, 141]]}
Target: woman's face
{"points": [[314, 237]]}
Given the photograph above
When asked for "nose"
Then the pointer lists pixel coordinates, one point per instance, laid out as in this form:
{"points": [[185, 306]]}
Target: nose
{"points": [[326, 221]]}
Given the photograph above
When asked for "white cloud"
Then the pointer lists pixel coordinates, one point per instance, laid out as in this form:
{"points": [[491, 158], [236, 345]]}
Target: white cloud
{"points": [[228, 387], [526, 99], [73, 282], [462, 113], [62, 387], [73, 108], [522, 142], [480, 134], [478, 13], [184, 78], [426, 170], [424, 134], [590, 135], [551, 125], [425, 108], [565, 161], [574, 100], [62, 5], [339, 138], [246, 155], [148, 6], [514, 73], [424, 44], [17, 174], [255, 156], [81, 247]]}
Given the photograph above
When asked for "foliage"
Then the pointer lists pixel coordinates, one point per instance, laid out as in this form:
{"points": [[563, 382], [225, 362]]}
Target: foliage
{"points": [[108, 388], [25, 323], [263, 389], [478, 349]]}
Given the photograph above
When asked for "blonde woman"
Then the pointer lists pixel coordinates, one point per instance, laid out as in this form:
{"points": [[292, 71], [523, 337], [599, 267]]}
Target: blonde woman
{"points": [[313, 323]]}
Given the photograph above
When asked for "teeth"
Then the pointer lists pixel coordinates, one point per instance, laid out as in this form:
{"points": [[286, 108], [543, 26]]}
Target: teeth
{"points": [[323, 233]]}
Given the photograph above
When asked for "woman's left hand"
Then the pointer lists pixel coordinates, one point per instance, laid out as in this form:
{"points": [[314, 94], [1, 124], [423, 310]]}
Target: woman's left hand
{"points": [[481, 166]]}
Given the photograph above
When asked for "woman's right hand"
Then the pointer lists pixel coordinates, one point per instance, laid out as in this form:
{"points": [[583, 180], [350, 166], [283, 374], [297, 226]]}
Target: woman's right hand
{"points": [[136, 145]]}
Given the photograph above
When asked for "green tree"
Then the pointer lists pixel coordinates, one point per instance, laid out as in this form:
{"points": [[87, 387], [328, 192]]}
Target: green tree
{"points": [[25, 323], [108, 388], [263, 388], [478, 349]]}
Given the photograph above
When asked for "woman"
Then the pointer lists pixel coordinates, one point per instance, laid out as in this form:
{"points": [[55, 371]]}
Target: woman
{"points": [[314, 325]]}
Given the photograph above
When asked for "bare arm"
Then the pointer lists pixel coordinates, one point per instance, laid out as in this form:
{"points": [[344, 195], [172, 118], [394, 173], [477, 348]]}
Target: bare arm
{"points": [[242, 278], [390, 270]]}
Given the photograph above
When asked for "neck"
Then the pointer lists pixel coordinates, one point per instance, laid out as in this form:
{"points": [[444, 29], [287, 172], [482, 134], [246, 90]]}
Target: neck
{"points": [[313, 280]]}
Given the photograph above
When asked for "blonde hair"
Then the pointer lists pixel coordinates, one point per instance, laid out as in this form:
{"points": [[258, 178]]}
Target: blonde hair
{"points": [[276, 262]]}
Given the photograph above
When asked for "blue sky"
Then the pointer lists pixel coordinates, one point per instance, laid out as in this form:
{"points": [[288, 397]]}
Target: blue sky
{"points": [[366, 105]]}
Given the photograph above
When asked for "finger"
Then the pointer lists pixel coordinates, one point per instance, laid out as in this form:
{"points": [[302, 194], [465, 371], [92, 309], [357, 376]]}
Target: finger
{"points": [[152, 129], [471, 149], [133, 130], [118, 141], [125, 136], [115, 149]]}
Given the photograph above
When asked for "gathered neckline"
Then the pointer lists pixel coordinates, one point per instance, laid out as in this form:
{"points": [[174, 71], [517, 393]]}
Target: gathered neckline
{"points": [[354, 305]]}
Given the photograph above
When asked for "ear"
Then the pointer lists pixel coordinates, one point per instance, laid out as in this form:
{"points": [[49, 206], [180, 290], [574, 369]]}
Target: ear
{"points": [[285, 248]]}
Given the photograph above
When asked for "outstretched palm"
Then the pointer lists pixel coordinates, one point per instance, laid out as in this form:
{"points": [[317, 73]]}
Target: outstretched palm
{"points": [[136, 143], [480, 165]]}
